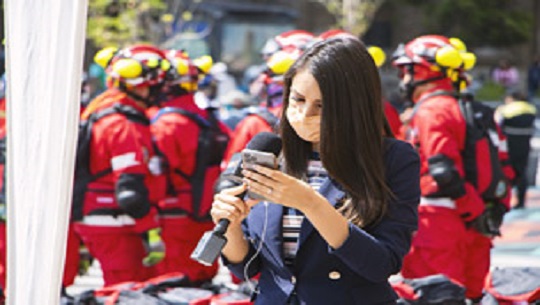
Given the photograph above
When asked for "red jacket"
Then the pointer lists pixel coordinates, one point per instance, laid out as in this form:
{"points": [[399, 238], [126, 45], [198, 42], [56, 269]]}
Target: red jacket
{"points": [[392, 116], [2, 136], [3, 117], [176, 136], [248, 128], [438, 128], [126, 147]]}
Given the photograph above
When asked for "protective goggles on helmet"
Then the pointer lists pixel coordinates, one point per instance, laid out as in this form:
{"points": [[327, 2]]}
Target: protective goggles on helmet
{"points": [[281, 62], [460, 78], [443, 57], [433, 50], [136, 73], [136, 66], [278, 64], [431, 57]]}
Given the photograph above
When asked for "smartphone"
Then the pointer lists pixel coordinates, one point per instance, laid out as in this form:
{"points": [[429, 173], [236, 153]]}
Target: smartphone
{"points": [[255, 157]]}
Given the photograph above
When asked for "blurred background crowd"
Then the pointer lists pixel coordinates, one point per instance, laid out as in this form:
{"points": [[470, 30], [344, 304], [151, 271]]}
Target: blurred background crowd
{"points": [[225, 61]]}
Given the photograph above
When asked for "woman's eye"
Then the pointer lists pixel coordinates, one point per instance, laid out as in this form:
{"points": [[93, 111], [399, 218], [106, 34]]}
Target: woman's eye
{"points": [[297, 99]]}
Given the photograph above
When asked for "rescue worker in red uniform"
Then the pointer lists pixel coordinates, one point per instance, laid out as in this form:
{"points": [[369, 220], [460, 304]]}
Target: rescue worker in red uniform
{"points": [[265, 117], [449, 203], [177, 138], [121, 205], [279, 54]]}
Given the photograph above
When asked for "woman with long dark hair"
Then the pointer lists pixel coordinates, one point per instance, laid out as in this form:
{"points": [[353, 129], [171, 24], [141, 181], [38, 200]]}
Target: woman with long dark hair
{"points": [[340, 213]]}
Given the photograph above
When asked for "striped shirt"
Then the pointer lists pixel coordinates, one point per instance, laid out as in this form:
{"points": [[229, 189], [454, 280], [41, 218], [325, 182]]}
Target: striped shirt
{"points": [[292, 218]]}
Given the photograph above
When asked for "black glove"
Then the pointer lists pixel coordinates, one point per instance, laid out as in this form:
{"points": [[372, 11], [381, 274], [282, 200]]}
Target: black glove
{"points": [[490, 221]]}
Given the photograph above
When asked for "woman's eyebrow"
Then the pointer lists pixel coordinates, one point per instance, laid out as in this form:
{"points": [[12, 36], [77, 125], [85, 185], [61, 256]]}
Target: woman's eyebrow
{"points": [[297, 93]]}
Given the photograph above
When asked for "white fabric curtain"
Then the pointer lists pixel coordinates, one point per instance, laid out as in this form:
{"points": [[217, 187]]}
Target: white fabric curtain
{"points": [[45, 46]]}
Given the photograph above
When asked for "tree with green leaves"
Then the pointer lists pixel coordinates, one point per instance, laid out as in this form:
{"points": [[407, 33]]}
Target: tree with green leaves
{"points": [[480, 22], [354, 16], [121, 22]]}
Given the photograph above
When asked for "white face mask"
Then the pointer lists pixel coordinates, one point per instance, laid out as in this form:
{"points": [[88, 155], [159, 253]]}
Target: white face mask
{"points": [[307, 128]]}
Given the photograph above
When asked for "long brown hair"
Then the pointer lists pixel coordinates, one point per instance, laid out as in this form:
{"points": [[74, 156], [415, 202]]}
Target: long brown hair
{"points": [[352, 126]]}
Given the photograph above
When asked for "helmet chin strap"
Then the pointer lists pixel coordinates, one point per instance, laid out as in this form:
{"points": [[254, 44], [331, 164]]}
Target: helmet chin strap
{"points": [[177, 90], [408, 89], [148, 101], [427, 80]]}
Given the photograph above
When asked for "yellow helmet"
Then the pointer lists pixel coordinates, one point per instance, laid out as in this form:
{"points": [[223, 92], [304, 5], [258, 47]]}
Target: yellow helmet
{"points": [[204, 63], [104, 56], [280, 62], [184, 72], [378, 55], [458, 44]]}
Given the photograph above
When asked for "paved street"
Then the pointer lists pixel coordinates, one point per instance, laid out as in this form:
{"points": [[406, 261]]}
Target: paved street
{"points": [[519, 244]]}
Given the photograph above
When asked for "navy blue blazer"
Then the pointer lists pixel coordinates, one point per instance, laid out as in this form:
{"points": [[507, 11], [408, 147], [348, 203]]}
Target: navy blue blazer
{"points": [[355, 273]]}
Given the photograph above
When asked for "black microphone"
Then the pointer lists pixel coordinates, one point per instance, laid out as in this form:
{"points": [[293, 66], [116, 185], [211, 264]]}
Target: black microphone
{"points": [[212, 242], [264, 141]]}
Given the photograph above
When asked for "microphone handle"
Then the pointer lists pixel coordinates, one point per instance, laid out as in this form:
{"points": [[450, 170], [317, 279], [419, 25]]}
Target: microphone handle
{"points": [[222, 226]]}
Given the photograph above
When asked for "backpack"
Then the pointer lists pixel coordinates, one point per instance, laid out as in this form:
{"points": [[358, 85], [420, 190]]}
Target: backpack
{"points": [[266, 115], [513, 285], [431, 289], [212, 143], [481, 153], [83, 175]]}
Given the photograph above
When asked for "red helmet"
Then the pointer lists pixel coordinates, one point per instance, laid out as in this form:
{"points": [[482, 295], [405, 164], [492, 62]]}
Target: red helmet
{"points": [[138, 66], [332, 34], [290, 40], [335, 33], [433, 54], [426, 59], [183, 72]]}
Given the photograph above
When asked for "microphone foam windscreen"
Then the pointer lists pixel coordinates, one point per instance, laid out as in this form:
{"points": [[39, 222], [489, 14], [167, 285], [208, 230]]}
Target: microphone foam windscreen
{"points": [[266, 142]]}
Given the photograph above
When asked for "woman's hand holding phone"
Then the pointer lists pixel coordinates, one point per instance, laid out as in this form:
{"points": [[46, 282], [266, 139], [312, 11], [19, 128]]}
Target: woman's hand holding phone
{"points": [[281, 188]]}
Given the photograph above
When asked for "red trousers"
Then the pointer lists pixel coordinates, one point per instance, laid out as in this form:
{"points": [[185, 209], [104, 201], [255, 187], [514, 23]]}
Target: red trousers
{"points": [[3, 255], [119, 250], [71, 267], [444, 245], [181, 236], [477, 263]]}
